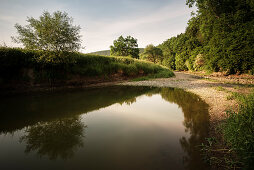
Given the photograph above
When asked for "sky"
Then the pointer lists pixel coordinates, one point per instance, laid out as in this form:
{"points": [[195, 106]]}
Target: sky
{"points": [[103, 21]]}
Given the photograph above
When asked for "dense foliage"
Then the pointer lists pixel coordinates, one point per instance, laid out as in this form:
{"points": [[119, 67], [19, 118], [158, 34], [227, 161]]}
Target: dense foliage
{"points": [[153, 54], [46, 66], [50, 32], [219, 37], [125, 47]]}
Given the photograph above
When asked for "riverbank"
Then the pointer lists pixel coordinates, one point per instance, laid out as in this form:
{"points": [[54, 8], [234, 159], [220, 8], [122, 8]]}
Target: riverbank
{"points": [[28, 70], [216, 92]]}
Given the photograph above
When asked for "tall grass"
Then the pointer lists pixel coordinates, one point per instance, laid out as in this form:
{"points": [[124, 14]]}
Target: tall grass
{"points": [[55, 66], [238, 130], [95, 65]]}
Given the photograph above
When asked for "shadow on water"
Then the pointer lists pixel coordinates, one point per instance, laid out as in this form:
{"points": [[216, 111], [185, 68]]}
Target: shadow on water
{"points": [[54, 128]]}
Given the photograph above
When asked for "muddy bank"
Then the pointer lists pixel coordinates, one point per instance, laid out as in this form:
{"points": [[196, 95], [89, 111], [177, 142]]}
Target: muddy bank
{"points": [[16, 87]]}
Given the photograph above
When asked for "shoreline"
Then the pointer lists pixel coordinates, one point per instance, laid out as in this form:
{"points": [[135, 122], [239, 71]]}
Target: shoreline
{"points": [[213, 91]]}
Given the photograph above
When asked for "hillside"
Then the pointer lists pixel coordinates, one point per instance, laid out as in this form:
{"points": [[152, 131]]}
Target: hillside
{"points": [[26, 68], [107, 52]]}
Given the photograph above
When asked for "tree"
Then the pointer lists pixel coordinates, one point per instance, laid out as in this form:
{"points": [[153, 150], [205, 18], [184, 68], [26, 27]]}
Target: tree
{"points": [[50, 32], [125, 47], [153, 53]]}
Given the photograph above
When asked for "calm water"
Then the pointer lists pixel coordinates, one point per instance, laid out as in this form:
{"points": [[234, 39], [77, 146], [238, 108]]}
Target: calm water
{"points": [[129, 128]]}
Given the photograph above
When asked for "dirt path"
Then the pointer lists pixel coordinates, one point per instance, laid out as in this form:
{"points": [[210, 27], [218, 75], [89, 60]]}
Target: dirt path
{"points": [[213, 92]]}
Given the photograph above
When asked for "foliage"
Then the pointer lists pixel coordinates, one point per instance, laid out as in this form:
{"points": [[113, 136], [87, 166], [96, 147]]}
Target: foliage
{"points": [[153, 54], [125, 47], [47, 67], [51, 32], [221, 31], [239, 128]]}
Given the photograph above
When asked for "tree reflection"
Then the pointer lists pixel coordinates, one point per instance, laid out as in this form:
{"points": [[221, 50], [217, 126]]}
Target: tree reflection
{"points": [[55, 139], [196, 122], [37, 107]]}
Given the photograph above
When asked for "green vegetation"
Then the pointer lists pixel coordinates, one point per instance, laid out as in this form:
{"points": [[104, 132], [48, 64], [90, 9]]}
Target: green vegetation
{"points": [[238, 130], [153, 54], [237, 140], [107, 52], [219, 88], [219, 37], [50, 32], [49, 67], [233, 95], [125, 47]]}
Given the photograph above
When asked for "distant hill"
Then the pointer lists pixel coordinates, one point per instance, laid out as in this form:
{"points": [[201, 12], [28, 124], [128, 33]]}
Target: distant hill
{"points": [[107, 52], [104, 52]]}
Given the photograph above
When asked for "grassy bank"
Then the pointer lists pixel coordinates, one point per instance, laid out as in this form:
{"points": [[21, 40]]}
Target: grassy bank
{"points": [[238, 131], [19, 66], [232, 145]]}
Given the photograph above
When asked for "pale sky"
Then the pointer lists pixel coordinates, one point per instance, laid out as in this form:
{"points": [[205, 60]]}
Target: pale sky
{"points": [[103, 21]]}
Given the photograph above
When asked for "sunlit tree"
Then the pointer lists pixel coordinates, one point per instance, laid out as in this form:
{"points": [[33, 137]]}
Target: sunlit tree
{"points": [[125, 47], [51, 32]]}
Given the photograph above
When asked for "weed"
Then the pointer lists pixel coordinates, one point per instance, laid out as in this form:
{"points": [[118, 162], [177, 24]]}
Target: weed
{"points": [[219, 88]]}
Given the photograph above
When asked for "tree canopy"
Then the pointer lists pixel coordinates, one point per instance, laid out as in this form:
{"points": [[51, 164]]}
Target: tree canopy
{"points": [[125, 47], [220, 33], [51, 32], [152, 53]]}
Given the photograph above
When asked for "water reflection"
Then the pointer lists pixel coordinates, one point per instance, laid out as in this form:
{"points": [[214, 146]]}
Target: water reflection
{"points": [[55, 129], [15, 110], [56, 139], [196, 122]]}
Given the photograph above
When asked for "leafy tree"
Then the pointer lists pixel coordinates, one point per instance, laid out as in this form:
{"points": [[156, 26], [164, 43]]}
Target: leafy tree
{"points": [[51, 32], [125, 47], [152, 53]]}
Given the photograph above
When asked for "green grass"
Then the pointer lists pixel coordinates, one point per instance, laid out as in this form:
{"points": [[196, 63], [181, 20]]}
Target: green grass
{"points": [[234, 95], [219, 88], [51, 66], [94, 65], [238, 130]]}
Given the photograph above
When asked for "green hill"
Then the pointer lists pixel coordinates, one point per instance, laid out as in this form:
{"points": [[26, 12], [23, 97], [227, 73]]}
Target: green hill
{"points": [[107, 52], [27, 68]]}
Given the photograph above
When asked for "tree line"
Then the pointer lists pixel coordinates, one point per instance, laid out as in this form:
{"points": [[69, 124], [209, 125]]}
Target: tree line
{"points": [[219, 37]]}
